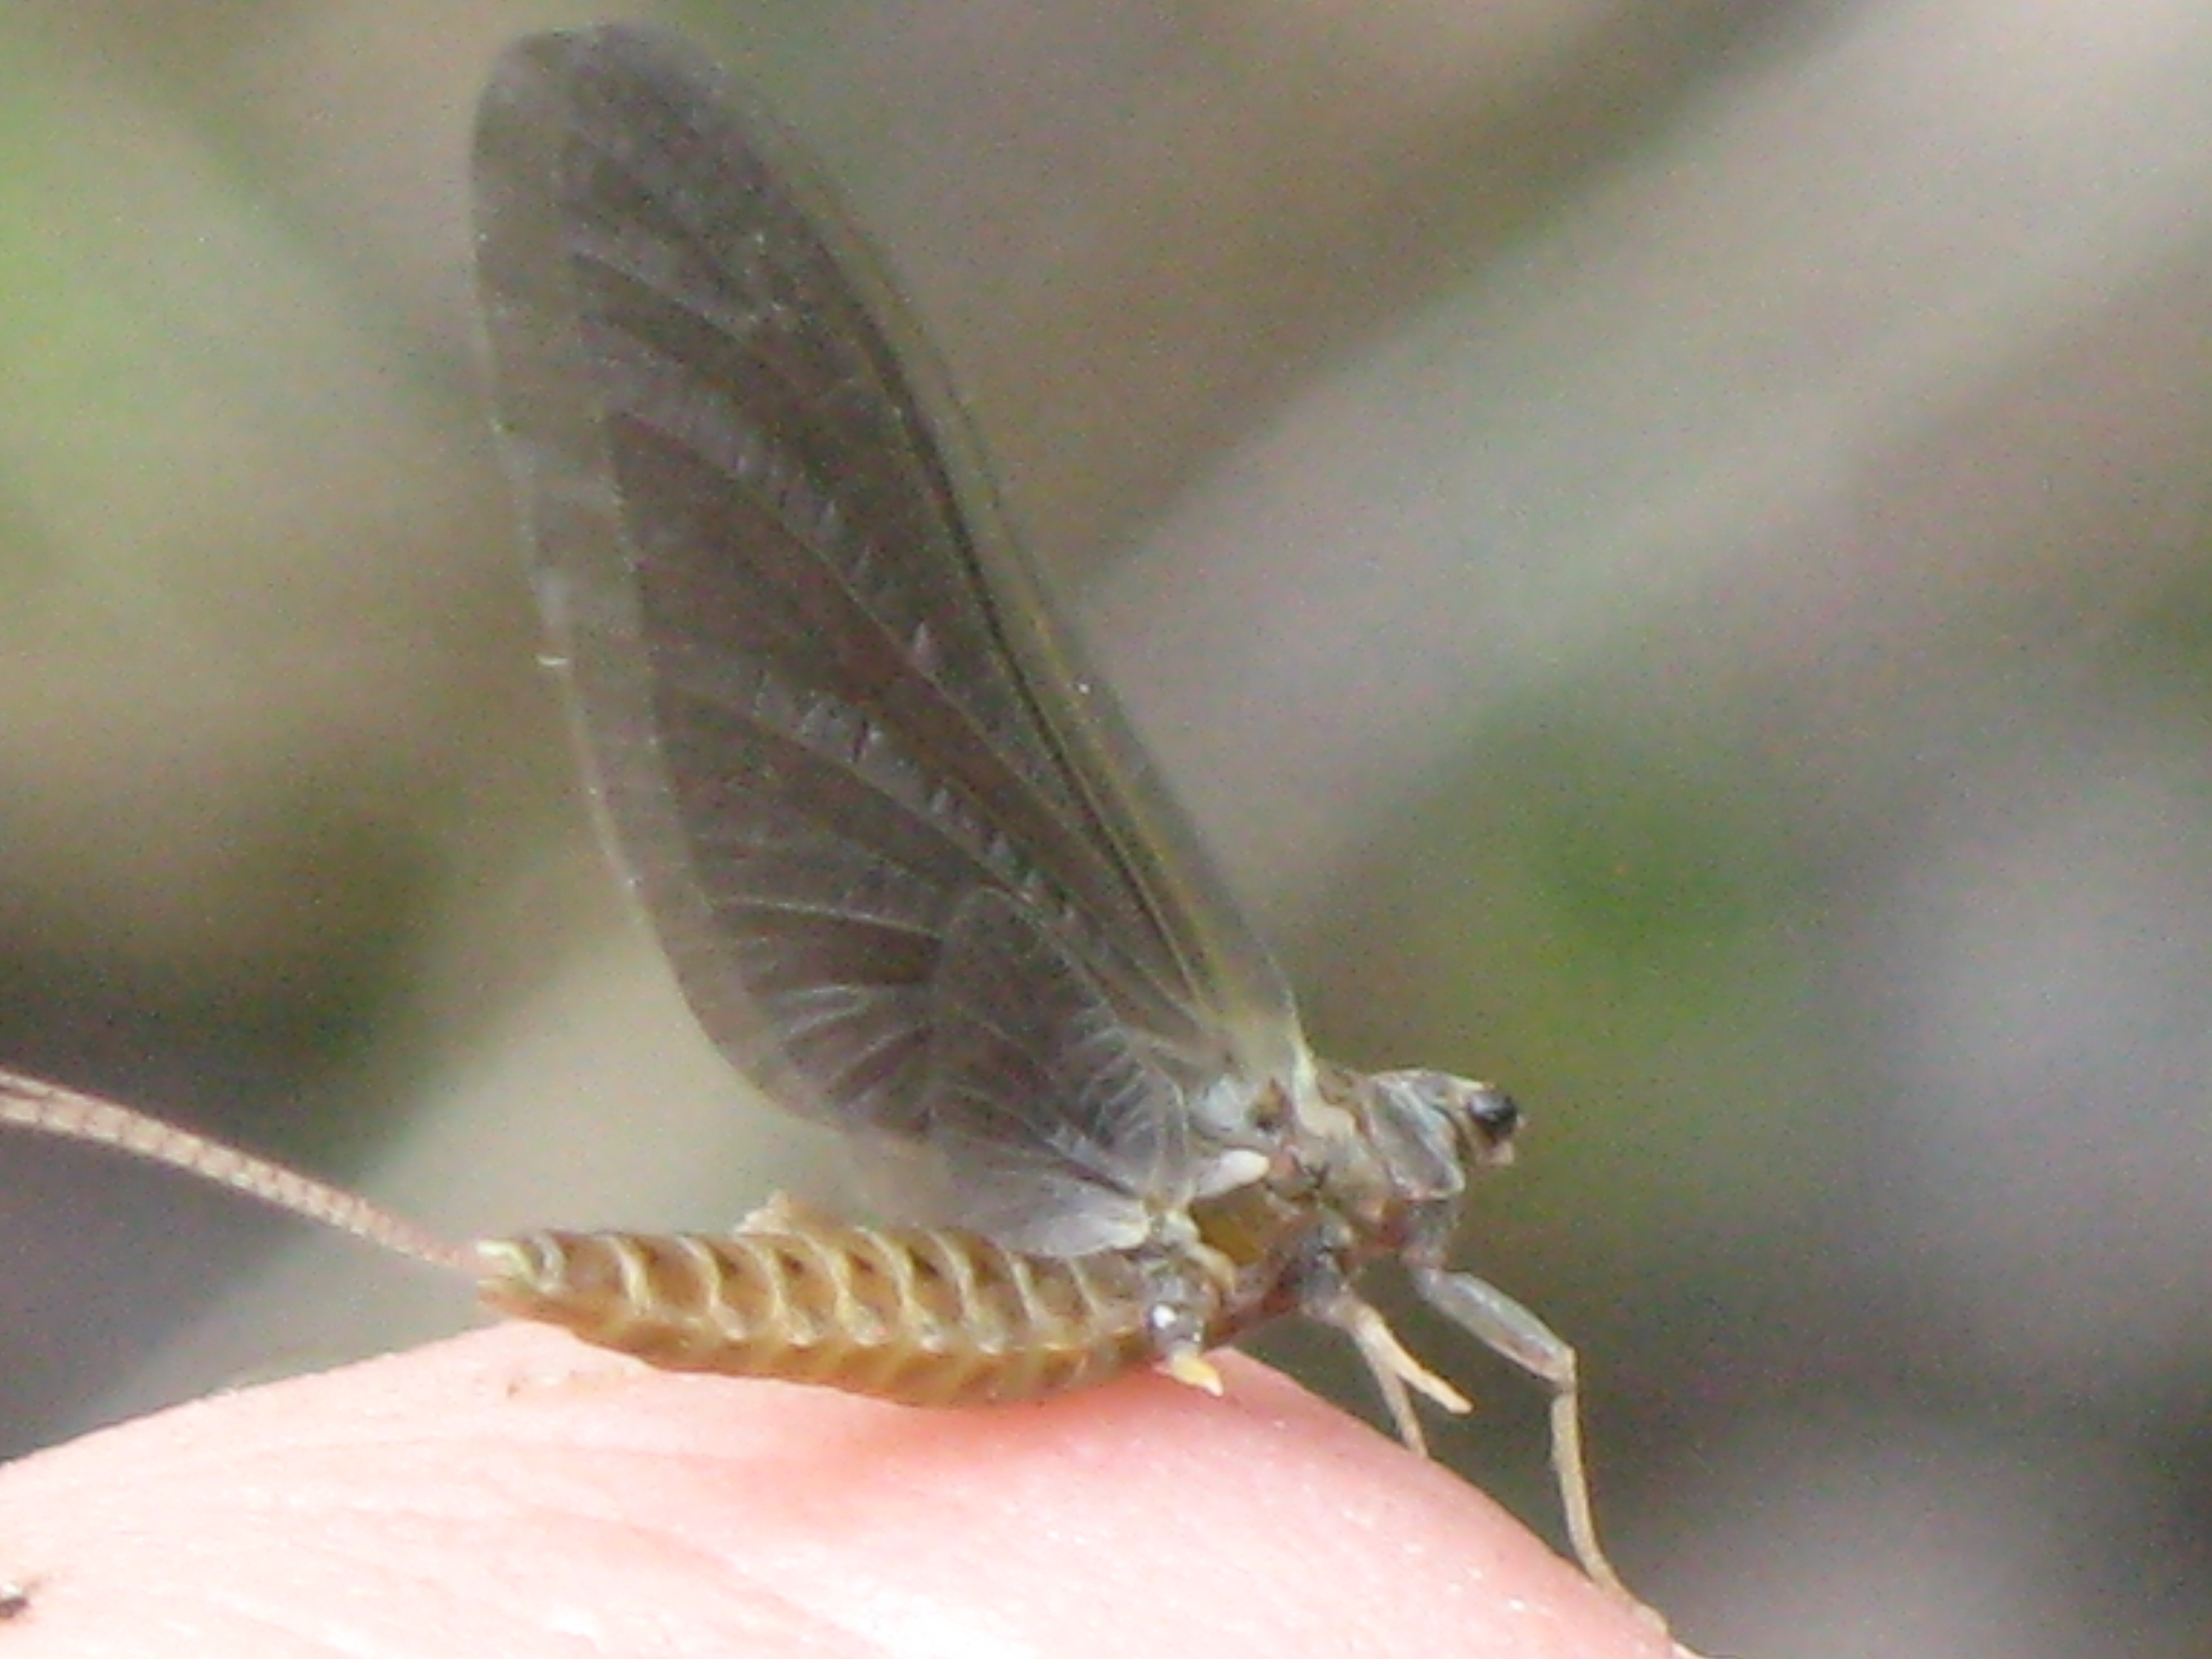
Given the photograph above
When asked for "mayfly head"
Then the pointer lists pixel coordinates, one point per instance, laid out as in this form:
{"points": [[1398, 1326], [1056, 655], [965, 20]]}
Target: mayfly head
{"points": [[1433, 1130]]}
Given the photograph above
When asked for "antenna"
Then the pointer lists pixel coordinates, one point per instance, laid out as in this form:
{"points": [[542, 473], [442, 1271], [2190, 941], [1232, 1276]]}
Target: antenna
{"points": [[67, 1115]]}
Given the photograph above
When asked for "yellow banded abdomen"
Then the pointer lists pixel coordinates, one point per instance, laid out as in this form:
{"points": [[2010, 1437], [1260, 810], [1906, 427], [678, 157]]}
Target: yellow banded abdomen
{"points": [[923, 1316]]}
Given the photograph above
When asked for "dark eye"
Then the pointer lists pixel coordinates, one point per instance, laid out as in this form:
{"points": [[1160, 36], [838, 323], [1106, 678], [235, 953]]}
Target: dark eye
{"points": [[1493, 1114]]}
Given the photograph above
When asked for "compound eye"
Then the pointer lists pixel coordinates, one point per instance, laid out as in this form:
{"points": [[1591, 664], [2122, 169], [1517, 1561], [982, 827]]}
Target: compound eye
{"points": [[1494, 1115]]}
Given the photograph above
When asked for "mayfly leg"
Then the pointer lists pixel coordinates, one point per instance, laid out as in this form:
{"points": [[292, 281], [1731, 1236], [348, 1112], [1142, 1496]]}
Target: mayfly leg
{"points": [[1511, 1331]]}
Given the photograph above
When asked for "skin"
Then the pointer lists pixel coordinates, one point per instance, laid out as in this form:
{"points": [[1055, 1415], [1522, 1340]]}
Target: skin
{"points": [[513, 1493]]}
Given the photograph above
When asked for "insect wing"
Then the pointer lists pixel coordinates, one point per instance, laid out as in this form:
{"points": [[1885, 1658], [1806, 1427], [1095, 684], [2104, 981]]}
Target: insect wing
{"points": [[859, 777]]}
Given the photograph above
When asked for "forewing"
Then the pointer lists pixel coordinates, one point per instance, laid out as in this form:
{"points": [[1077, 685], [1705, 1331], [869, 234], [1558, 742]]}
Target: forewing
{"points": [[1004, 1166], [822, 700]]}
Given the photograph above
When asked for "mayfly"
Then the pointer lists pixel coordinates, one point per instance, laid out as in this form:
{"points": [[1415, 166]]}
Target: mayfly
{"points": [[914, 874]]}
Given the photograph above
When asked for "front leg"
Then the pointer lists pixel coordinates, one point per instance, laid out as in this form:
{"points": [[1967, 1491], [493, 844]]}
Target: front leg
{"points": [[1513, 1333]]}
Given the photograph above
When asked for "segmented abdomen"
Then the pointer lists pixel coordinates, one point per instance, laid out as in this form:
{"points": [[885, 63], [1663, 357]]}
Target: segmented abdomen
{"points": [[922, 1316]]}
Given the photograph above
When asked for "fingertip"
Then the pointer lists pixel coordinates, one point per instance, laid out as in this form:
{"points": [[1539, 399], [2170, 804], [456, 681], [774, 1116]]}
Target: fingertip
{"points": [[488, 1494]]}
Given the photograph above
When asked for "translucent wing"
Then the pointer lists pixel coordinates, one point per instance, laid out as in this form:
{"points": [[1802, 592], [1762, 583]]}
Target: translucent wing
{"points": [[825, 704]]}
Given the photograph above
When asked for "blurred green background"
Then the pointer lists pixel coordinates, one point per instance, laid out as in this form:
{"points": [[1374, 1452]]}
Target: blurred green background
{"points": [[1670, 546]]}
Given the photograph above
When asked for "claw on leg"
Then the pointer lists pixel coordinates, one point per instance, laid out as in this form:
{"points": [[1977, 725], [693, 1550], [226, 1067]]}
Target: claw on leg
{"points": [[1194, 1370]]}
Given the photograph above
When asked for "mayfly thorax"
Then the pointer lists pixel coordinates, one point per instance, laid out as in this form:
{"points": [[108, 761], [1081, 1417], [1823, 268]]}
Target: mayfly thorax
{"points": [[914, 874]]}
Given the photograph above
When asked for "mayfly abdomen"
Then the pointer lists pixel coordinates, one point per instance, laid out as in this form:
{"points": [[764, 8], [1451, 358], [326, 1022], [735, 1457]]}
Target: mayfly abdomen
{"points": [[922, 1316]]}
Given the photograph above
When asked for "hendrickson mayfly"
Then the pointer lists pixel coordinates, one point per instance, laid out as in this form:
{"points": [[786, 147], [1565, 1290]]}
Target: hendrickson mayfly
{"points": [[914, 874]]}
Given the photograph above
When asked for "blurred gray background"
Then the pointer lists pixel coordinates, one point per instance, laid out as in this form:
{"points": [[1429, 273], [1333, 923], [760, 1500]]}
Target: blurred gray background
{"points": [[1670, 546]]}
